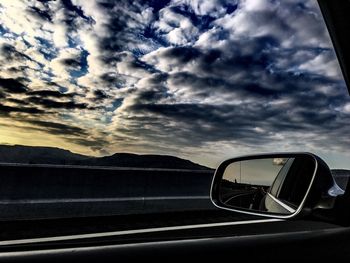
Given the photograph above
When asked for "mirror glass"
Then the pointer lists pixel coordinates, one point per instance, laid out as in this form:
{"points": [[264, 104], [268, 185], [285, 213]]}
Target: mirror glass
{"points": [[270, 185]]}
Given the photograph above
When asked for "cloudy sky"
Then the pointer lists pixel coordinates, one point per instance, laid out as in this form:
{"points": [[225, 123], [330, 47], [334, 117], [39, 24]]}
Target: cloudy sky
{"points": [[200, 79]]}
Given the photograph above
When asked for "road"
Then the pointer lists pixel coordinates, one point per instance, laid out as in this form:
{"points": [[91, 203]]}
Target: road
{"points": [[243, 193]]}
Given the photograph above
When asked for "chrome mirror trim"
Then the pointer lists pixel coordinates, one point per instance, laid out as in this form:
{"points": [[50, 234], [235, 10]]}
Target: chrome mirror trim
{"points": [[261, 156]]}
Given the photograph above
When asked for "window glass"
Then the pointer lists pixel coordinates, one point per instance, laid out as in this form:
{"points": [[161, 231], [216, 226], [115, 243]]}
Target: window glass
{"points": [[203, 80], [161, 84]]}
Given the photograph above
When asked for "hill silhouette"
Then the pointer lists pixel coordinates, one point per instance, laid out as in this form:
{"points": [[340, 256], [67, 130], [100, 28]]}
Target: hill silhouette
{"points": [[57, 156]]}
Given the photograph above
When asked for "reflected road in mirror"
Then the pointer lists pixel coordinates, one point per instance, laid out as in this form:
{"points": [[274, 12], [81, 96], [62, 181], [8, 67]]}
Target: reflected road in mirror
{"points": [[272, 185]]}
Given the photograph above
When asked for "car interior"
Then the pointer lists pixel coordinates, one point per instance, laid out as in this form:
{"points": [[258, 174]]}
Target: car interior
{"points": [[307, 217]]}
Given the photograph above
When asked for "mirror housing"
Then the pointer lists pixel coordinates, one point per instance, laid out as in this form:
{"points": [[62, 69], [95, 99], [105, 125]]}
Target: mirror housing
{"points": [[300, 183]]}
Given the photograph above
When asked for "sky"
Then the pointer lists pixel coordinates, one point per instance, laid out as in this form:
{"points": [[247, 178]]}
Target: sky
{"points": [[202, 80], [256, 171]]}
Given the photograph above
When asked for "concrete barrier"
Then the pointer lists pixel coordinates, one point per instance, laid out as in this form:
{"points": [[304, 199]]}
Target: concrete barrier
{"points": [[53, 191]]}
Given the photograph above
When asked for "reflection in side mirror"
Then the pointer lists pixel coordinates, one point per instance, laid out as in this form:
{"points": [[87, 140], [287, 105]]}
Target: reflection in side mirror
{"points": [[276, 185]]}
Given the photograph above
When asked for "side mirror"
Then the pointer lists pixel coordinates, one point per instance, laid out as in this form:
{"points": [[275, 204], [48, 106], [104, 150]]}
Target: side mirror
{"points": [[280, 185]]}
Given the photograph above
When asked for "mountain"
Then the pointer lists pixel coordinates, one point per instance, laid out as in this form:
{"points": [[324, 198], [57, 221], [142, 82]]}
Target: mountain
{"points": [[142, 161], [51, 155], [341, 176], [35, 155], [340, 172]]}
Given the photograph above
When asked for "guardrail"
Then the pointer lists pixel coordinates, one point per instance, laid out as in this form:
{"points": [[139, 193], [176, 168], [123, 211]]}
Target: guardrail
{"points": [[30, 191]]}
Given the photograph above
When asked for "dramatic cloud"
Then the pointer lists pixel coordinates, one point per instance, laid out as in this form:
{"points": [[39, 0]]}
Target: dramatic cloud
{"points": [[12, 85], [192, 78]]}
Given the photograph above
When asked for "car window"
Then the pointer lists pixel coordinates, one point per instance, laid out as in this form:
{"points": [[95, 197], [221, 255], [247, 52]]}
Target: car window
{"points": [[131, 105]]}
